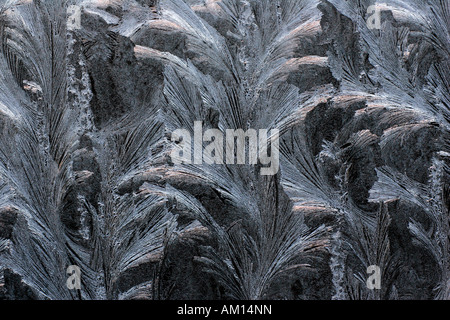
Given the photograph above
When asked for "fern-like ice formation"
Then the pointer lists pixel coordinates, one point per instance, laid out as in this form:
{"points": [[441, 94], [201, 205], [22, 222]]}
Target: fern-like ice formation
{"points": [[90, 92]]}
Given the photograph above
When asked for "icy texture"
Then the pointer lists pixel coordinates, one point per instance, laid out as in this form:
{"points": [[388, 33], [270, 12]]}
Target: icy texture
{"points": [[86, 177]]}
